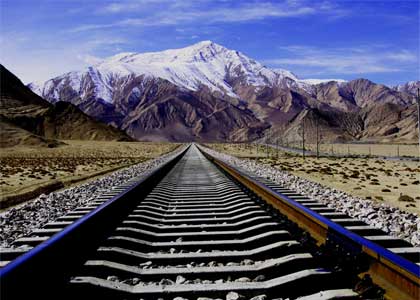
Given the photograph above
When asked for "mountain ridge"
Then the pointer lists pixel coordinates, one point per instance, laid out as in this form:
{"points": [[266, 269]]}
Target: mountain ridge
{"points": [[28, 119], [157, 94]]}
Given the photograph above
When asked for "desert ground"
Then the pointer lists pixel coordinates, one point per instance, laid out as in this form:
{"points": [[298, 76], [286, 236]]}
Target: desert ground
{"points": [[395, 182], [393, 150], [29, 171]]}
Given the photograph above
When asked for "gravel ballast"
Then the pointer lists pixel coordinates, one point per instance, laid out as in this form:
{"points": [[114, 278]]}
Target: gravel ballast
{"points": [[20, 221], [392, 220]]}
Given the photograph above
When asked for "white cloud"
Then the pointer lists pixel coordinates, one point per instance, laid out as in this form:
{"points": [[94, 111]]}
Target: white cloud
{"points": [[402, 56], [51, 57], [89, 59], [129, 6], [205, 12], [355, 60]]}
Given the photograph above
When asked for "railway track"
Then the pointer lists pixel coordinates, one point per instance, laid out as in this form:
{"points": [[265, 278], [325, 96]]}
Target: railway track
{"points": [[197, 227]]}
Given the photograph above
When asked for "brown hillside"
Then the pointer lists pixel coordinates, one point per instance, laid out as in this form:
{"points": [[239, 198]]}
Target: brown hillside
{"points": [[27, 118]]}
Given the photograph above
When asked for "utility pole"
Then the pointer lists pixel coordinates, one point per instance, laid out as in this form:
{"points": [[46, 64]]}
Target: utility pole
{"points": [[303, 137], [317, 137], [418, 115]]}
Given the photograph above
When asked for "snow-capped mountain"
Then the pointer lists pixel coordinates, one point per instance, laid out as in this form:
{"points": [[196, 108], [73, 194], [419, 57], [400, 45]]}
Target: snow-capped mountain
{"points": [[410, 87], [319, 81], [202, 64], [304, 83], [205, 90]]}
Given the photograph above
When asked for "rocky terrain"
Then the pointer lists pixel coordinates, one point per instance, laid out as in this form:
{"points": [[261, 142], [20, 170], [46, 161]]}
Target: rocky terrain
{"points": [[394, 181], [19, 221], [376, 123], [27, 119], [410, 87], [207, 92], [390, 219], [30, 171]]}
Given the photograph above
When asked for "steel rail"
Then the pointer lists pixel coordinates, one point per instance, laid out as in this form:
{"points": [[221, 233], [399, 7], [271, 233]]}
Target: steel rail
{"points": [[399, 276], [48, 265], [196, 202]]}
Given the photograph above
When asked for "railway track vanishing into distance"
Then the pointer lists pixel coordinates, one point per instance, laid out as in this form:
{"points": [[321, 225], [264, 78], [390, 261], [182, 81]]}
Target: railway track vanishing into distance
{"points": [[198, 227]]}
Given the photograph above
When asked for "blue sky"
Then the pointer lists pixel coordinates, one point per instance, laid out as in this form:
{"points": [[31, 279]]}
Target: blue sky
{"points": [[373, 39]]}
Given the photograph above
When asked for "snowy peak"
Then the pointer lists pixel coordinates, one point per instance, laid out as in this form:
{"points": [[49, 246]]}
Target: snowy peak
{"points": [[410, 87], [205, 63], [286, 73], [200, 52], [205, 90], [319, 81], [121, 56]]}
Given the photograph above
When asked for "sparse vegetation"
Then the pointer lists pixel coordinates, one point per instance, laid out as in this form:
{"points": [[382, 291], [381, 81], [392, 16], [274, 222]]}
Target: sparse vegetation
{"points": [[27, 172], [363, 177], [405, 198], [401, 150]]}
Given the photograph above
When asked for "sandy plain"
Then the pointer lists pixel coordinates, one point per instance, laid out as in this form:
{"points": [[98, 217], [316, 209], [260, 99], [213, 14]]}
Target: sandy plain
{"points": [[29, 171], [392, 150], [395, 182]]}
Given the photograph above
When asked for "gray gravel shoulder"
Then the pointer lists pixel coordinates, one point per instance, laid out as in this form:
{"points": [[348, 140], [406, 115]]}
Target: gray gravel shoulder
{"points": [[20, 221], [392, 220]]}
